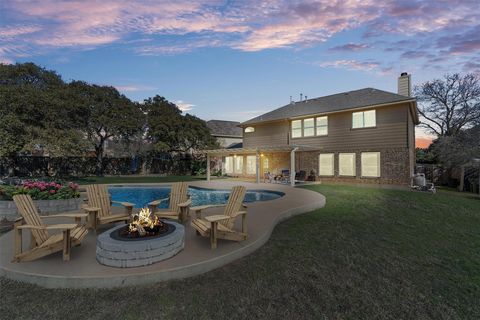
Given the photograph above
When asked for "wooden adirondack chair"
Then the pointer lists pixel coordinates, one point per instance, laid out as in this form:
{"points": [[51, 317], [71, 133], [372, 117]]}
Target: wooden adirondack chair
{"points": [[178, 206], [41, 243], [99, 207], [221, 226]]}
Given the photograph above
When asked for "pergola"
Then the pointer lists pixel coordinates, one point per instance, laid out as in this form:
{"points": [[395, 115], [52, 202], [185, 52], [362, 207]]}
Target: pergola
{"points": [[258, 151]]}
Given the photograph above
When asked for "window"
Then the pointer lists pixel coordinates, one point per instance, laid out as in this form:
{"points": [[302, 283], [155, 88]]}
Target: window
{"points": [[325, 164], [308, 127], [364, 119], [251, 164], [238, 164], [265, 163], [370, 164], [228, 164], [322, 126], [346, 164], [296, 128], [249, 129]]}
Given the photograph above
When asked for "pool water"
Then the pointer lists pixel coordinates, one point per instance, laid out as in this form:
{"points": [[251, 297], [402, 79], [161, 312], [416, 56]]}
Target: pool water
{"points": [[141, 196]]}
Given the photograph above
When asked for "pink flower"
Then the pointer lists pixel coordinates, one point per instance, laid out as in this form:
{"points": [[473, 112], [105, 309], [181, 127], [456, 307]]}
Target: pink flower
{"points": [[53, 191]]}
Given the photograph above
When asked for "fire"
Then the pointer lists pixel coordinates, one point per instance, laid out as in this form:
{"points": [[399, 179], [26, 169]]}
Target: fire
{"points": [[144, 223]]}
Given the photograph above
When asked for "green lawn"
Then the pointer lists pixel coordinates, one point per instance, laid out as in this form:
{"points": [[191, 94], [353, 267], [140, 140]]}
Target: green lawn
{"points": [[135, 179], [369, 254]]}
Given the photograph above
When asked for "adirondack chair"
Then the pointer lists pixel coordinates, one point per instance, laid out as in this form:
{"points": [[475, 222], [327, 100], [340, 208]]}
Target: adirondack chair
{"points": [[41, 242], [221, 226], [99, 207], [178, 206]]}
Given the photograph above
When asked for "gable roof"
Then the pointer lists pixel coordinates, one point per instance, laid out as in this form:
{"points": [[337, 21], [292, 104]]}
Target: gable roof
{"points": [[332, 103], [224, 128]]}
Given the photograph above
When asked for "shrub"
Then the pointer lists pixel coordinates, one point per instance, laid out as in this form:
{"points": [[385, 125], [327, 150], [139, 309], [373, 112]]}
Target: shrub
{"points": [[40, 190]]}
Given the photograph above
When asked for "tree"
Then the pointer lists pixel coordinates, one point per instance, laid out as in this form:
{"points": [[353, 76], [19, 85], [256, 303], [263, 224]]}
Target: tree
{"points": [[459, 149], [169, 131], [34, 111], [450, 104], [105, 114]]}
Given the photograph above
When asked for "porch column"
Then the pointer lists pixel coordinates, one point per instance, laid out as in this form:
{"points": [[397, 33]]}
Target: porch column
{"points": [[208, 167], [292, 167], [257, 167]]}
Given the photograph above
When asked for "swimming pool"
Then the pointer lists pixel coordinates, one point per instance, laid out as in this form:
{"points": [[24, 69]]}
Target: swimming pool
{"points": [[142, 195]]}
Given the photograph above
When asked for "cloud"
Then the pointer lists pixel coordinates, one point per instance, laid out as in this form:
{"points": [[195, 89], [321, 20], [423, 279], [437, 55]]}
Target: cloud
{"points": [[350, 47], [163, 27], [184, 106], [350, 64], [134, 88]]}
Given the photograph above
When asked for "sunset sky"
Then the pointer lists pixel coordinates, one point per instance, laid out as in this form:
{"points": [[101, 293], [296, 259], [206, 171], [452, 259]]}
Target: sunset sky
{"points": [[237, 59]]}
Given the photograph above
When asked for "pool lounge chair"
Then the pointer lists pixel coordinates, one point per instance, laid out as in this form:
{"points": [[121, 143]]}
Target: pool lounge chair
{"points": [[178, 206], [41, 242], [221, 226], [99, 207]]}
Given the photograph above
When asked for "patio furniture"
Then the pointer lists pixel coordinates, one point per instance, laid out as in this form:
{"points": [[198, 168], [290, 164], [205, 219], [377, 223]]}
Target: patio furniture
{"points": [[300, 175], [285, 176], [221, 226], [41, 242], [178, 206], [99, 207]]}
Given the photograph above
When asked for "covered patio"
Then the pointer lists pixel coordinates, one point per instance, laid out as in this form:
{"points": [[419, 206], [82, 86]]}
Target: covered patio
{"points": [[255, 162]]}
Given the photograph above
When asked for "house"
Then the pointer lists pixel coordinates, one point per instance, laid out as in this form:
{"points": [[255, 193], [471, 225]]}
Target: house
{"points": [[366, 135], [227, 133]]}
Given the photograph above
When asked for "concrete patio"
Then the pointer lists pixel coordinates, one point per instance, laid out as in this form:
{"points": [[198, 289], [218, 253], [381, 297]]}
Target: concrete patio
{"points": [[83, 271]]}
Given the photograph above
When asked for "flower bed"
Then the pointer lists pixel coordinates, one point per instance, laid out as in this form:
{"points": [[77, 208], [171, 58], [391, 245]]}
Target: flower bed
{"points": [[49, 197], [40, 190]]}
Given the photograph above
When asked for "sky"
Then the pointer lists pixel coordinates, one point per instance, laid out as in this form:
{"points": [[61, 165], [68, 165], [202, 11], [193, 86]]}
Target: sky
{"points": [[234, 60]]}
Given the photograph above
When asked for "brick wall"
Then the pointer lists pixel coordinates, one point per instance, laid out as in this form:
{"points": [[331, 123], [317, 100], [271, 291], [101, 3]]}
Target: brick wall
{"points": [[394, 166]]}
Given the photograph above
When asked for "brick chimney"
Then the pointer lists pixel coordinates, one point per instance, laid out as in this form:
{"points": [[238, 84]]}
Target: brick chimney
{"points": [[405, 85]]}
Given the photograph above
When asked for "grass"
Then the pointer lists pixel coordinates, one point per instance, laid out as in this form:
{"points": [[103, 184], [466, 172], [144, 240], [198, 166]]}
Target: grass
{"points": [[369, 254], [135, 179]]}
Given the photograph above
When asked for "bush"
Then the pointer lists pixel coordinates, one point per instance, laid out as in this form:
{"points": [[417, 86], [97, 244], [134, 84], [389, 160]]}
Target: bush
{"points": [[40, 190]]}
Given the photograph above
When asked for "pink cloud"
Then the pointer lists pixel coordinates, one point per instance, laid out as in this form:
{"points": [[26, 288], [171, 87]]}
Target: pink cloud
{"points": [[350, 64]]}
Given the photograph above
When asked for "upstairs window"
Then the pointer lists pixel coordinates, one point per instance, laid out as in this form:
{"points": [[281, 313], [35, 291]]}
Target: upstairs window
{"points": [[296, 128], [322, 126], [364, 119], [309, 127], [249, 129]]}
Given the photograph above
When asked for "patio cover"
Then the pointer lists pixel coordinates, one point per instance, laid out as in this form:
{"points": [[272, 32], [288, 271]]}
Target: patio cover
{"points": [[257, 151]]}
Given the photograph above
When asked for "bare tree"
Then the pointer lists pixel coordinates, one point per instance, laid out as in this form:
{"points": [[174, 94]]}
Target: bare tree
{"points": [[450, 104]]}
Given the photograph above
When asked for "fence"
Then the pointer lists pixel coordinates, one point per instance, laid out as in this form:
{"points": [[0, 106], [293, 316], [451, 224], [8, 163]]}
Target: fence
{"points": [[39, 166]]}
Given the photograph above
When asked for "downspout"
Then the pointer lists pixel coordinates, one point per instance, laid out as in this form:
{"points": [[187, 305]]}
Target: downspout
{"points": [[292, 166]]}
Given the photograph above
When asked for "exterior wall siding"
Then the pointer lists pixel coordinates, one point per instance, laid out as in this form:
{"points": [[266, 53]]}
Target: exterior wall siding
{"points": [[393, 137], [273, 134]]}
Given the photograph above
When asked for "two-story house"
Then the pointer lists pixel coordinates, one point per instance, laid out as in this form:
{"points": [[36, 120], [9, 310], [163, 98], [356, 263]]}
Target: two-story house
{"points": [[366, 135]]}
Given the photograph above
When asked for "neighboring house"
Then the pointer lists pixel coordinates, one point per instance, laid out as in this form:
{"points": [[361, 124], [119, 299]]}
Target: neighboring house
{"points": [[366, 135], [227, 133]]}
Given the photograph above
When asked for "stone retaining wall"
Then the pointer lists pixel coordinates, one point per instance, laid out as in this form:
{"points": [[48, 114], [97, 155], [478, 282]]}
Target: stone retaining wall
{"points": [[8, 209]]}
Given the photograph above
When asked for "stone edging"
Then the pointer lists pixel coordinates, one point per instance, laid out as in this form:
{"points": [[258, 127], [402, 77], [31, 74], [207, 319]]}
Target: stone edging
{"points": [[8, 209]]}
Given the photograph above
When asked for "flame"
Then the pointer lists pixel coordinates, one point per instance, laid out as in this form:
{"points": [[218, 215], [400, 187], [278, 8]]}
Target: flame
{"points": [[142, 220]]}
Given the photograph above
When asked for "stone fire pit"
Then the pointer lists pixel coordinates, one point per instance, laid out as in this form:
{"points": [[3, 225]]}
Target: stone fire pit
{"points": [[125, 253]]}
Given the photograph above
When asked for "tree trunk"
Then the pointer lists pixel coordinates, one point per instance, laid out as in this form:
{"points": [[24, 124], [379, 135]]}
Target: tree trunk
{"points": [[99, 156]]}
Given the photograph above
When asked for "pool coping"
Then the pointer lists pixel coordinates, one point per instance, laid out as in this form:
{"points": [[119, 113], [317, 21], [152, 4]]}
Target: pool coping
{"points": [[180, 272]]}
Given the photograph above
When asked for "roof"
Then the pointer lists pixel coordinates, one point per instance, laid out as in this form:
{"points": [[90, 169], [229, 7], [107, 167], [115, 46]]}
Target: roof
{"points": [[270, 149], [332, 103], [224, 128]]}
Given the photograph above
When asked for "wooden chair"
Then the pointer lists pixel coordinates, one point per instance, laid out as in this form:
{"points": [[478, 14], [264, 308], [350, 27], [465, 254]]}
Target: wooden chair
{"points": [[99, 207], [41, 243], [221, 226], [179, 203]]}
